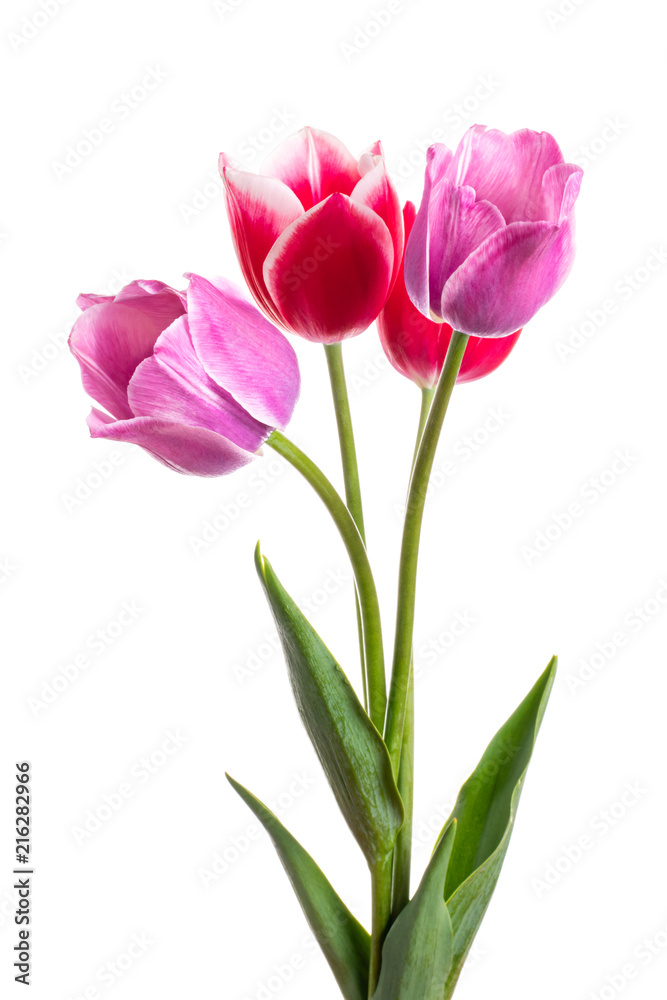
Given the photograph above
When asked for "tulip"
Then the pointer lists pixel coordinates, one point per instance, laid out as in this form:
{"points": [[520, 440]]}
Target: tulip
{"points": [[417, 346], [197, 378], [493, 239], [318, 234]]}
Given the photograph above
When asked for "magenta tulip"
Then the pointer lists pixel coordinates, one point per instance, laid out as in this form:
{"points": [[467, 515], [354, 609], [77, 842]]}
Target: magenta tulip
{"points": [[197, 378], [318, 234], [417, 346], [493, 240]]}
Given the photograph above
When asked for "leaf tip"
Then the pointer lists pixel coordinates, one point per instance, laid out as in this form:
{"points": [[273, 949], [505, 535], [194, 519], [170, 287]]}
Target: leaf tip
{"points": [[259, 560]]}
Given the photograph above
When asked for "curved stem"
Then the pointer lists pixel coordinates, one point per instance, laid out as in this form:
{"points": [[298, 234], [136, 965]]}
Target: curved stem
{"points": [[368, 600], [407, 580], [348, 454], [403, 847]]}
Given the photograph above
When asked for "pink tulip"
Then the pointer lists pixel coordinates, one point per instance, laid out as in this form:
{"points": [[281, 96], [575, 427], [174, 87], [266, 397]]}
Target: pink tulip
{"points": [[416, 346], [197, 378], [493, 240], [318, 234]]}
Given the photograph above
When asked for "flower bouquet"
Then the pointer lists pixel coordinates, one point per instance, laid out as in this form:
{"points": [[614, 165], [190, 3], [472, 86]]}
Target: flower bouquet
{"points": [[202, 379]]}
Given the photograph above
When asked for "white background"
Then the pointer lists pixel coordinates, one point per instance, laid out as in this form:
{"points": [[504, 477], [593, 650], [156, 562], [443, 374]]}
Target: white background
{"points": [[144, 204]]}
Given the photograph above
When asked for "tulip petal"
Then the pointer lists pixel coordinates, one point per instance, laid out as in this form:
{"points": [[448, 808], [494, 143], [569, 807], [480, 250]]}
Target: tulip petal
{"points": [[151, 296], [376, 191], [410, 340], [503, 283], [173, 386], [259, 209], [242, 352], [483, 355], [313, 164], [416, 263], [329, 272], [191, 450], [110, 339], [458, 224], [88, 299], [560, 189], [506, 170]]}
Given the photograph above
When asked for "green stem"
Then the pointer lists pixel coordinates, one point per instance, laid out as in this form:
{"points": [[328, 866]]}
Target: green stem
{"points": [[368, 600], [427, 401], [407, 579], [381, 888], [348, 454], [334, 356], [403, 848]]}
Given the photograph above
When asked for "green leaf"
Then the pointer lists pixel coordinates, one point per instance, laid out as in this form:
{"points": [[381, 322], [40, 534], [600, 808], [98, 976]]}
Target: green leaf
{"points": [[417, 953], [344, 942], [350, 749], [485, 810]]}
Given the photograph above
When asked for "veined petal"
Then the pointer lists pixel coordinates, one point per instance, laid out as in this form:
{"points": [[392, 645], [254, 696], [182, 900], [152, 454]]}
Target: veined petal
{"points": [[110, 339], [173, 386], [259, 209], [376, 191], [194, 451], [242, 352], [560, 189], [458, 224], [330, 271], [416, 265], [507, 170], [313, 164], [501, 286], [88, 299]]}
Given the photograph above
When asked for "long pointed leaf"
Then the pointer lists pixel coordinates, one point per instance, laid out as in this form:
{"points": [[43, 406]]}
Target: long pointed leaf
{"points": [[344, 942], [350, 749], [417, 954], [485, 810]]}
